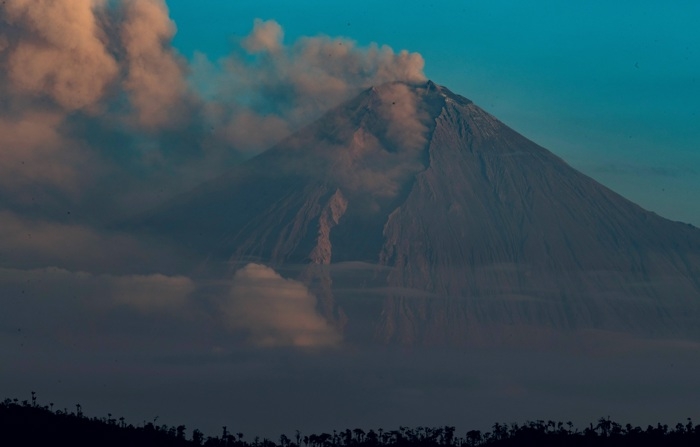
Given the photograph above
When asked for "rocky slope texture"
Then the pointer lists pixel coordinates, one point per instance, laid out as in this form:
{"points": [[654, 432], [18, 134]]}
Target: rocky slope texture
{"points": [[461, 225]]}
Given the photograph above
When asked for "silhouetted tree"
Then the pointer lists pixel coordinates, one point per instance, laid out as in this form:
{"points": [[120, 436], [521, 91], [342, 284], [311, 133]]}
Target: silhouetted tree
{"points": [[604, 425], [359, 435], [473, 437], [34, 424]]}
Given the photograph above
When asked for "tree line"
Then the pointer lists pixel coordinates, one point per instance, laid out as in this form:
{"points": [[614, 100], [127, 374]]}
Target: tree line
{"points": [[28, 423]]}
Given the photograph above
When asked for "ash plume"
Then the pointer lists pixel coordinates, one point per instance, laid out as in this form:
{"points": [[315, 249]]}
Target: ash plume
{"points": [[98, 99]]}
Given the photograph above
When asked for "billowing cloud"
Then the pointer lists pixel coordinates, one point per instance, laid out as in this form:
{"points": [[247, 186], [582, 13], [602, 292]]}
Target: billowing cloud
{"points": [[96, 98], [74, 75], [155, 79], [35, 152], [378, 157], [60, 51], [265, 37], [275, 311], [286, 86]]}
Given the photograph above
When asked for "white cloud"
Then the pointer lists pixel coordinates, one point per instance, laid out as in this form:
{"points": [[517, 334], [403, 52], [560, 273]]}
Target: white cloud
{"points": [[265, 37], [275, 311]]}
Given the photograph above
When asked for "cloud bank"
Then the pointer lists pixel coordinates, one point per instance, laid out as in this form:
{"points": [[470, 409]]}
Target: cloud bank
{"points": [[145, 294]]}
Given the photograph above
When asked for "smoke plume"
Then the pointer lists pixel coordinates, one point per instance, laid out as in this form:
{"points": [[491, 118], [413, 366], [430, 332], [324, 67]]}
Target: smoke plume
{"points": [[155, 77], [98, 99]]}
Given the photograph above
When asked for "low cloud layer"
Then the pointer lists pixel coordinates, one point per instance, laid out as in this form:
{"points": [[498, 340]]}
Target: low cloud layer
{"points": [[31, 243], [156, 293], [276, 312], [81, 292]]}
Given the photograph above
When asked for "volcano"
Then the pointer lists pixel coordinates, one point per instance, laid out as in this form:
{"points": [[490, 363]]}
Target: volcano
{"points": [[412, 208]]}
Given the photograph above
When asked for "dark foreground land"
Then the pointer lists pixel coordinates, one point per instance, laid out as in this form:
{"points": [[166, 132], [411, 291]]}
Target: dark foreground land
{"points": [[29, 424]]}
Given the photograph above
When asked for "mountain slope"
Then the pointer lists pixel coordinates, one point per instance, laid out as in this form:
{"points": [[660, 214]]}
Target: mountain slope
{"points": [[467, 224], [527, 239]]}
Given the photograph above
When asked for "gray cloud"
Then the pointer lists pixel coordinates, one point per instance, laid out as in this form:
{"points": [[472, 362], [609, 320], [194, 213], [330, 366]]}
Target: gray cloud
{"points": [[147, 294], [36, 152], [35, 243], [154, 293], [287, 86]]}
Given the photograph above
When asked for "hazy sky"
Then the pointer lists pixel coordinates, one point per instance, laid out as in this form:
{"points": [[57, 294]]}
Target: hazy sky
{"points": [[110, 108], [611, 87]]}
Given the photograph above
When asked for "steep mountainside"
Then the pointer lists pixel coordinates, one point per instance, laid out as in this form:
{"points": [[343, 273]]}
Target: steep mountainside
{"points": [[465, 224]]}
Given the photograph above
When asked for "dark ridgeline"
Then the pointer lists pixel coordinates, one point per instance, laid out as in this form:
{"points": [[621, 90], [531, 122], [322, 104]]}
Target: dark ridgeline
{"points": [[25, 424], [468, 231]]}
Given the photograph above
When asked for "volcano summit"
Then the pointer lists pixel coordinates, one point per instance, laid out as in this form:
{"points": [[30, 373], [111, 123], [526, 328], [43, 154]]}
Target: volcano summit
{"points": [[414, 209]]}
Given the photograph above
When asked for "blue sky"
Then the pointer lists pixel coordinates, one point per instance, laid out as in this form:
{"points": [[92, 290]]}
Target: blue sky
{"points": [[611, 87]]}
